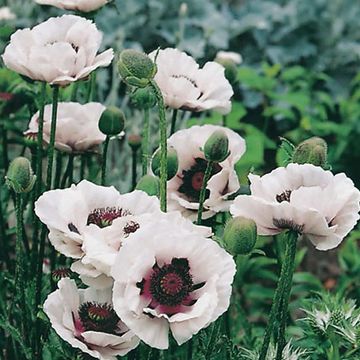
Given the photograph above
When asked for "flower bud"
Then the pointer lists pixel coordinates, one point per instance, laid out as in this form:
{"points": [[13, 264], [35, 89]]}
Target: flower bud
{"points": [[143, 98], [112, 121], [20, 176], [231, 70], [149, 184], [311, 151], [172, 163], [134, 141], [136, 68], [216, 148], [240, 236]]}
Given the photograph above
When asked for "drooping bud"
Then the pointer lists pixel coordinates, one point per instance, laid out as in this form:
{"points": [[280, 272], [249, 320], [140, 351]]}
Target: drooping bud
{"points": [[134, 141], [112, 121], [20, 176], [229, 60], [216, 148], [143, 98], [172, 163], [149, 184], [61, 273], [136, 68], [311, 151], [240, 236]]}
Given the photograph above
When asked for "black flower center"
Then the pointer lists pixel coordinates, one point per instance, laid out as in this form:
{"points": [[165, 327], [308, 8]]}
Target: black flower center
{"points": [[98, 317], [285, 196], [193, 179], [61, 273], [131, 227], [104, 217]]}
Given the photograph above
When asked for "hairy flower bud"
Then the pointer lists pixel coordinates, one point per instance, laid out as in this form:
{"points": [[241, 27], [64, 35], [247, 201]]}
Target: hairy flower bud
{"points": [[112, 121], [240, 236], [136, 68], [149, 184], [143, 98], [20, 176], [216, 148], [311, 151], [172, 163]]}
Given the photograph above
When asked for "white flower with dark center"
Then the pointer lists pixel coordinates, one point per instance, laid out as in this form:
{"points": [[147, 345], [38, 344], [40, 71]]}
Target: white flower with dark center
{"points": [[77, 127], [77, 5], [184, 189], [228, 56], [87, 321], [186, 86], [101, 246], [67, 212], [305, 198], [6, 13], [167, 278], [58, 51]]}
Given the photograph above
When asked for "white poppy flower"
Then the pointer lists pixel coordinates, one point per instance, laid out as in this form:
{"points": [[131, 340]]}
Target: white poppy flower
{"points": [[169, 278], [77, 5], [184, 188], [321, 206], [77, 127], [6, 13], [67, 212], [101, 246], [185, 86], [228, 56], [58, 51], [87, 321]]}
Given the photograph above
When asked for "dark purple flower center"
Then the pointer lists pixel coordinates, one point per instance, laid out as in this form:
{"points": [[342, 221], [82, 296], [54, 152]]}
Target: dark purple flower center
{"points": [[98, 317], [131, 227], [285, 196], [61, 273], [193, 179], [169, 286], [104, 217]]}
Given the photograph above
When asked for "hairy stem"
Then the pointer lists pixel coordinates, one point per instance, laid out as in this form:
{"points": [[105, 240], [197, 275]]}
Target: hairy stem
{"points": [[207, 175], [145, 143], [173, 121], [104, 159]]}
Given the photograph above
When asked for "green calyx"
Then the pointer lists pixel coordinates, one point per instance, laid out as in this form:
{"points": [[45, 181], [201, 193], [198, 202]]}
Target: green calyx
{"points": [[143, 98], [20, 176], [216, 148], [172, 163], [311, 151], [112, 121], [136, 68], [149, 184], [240, 236]]}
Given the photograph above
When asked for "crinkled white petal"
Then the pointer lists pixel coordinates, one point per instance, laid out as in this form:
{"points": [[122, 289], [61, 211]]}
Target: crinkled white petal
{"points": [[78, 5]]}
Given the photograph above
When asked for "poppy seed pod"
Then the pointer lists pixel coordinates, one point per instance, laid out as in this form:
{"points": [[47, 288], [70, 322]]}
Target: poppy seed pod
{"points": [[216, 148], [149, 184], [112, 121], [143, 98], [172, 163], [136, 68], [311, 151], [134, 141], [240, 236], [20, 176]]}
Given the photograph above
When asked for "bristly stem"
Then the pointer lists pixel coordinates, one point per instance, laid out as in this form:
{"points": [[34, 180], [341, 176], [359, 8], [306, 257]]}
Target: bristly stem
{"points": [[163, 145], [134, 151], [206, 178], [287, 270], [104, 157], [173, 121], [145, 142]]}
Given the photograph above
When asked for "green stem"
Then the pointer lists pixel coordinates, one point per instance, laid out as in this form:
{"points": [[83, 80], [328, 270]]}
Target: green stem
{"points": [[104, 157], [224, 120], [82, 166], [173, 121], [334, 353], [290, 258], [74, 91], [91, 88], [67, 172], [3, 238], [207, 175], [58, 169], [145, 142], [286, 270], [4, 147], [134, 168], [163, 145]]}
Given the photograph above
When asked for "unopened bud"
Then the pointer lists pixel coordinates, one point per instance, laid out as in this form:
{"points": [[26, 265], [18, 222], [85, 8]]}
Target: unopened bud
{"points": [[136, 68], [134, 141], [149, 184], [20, 176], [311, 151], [172, 163], [216, 148], [112, 121], [143, 98], [240, 236]]}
